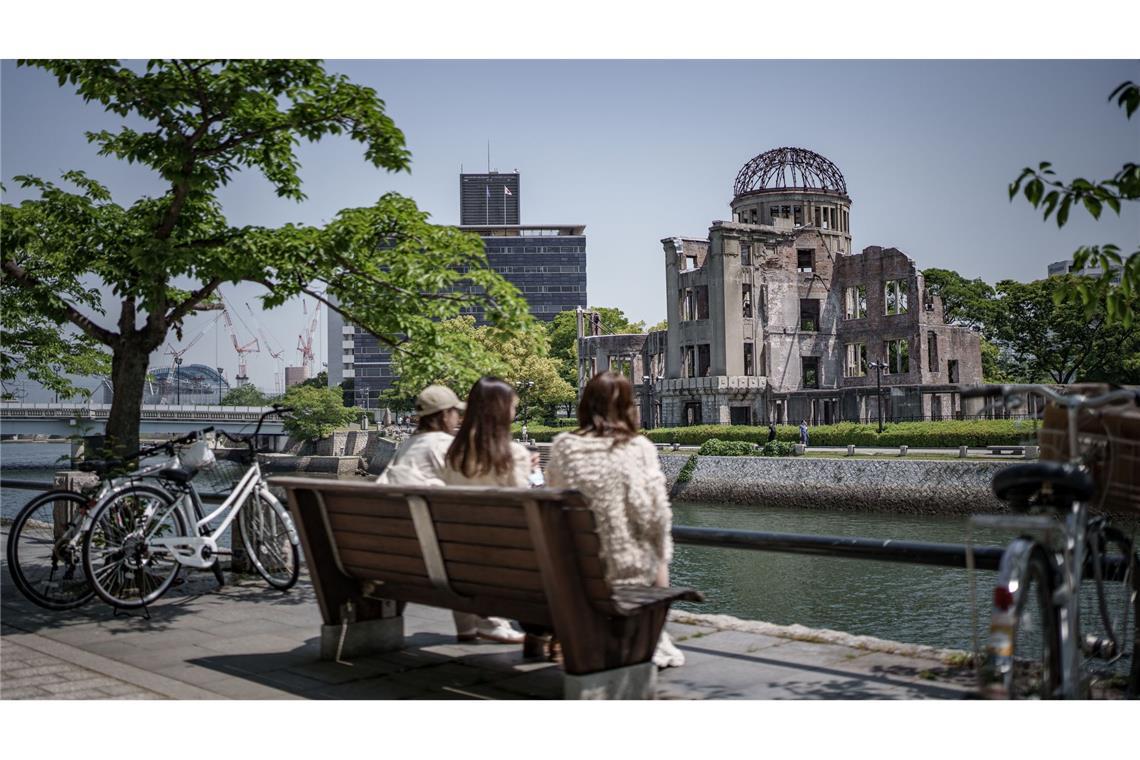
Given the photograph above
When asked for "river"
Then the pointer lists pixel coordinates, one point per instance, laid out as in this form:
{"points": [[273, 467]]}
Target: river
{"points": [[924, 605]]}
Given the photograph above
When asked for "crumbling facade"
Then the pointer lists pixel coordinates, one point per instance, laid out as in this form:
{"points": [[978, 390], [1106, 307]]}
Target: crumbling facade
{"points": [[772, 317]]}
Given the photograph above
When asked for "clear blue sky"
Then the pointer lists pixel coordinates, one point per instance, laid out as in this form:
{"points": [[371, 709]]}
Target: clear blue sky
{"points": [[642, 150]]}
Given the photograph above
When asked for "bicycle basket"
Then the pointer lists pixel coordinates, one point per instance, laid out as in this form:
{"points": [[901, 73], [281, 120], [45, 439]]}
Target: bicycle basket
{"points": [[1109, 438], [197, 456]]}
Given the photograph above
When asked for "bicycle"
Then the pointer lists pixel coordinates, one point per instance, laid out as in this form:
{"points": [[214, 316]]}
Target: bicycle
{"points": [[1044, 639], [45, 540], [140, 538]]}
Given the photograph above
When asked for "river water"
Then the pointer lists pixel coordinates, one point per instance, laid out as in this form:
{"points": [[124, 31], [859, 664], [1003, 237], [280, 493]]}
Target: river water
{"points": [[923, 605]]}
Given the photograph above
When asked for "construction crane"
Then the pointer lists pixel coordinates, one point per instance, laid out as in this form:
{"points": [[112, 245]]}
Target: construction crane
{"points": [[279, 363], [252, 347], [176, 358], [305, 341]]}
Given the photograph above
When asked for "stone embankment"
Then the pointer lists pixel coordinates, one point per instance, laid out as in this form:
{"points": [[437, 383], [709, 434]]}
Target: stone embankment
{"points": [[890, 485]]}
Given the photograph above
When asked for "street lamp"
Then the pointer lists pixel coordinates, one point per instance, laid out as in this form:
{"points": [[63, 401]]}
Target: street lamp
{"points": [[648, 381], [178, 380], [220, 371], [525, 387], [879, 367]]}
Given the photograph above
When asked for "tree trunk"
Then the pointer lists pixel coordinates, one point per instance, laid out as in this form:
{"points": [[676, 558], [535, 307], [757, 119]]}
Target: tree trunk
{"points": [[128, 379]]}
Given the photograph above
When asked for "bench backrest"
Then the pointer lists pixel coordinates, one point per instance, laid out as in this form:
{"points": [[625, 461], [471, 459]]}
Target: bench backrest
{"points": [[487, 550]]}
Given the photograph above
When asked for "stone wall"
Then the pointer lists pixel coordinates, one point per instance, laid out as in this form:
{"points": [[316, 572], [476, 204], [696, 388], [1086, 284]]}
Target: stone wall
{"points": [[887, 485]]}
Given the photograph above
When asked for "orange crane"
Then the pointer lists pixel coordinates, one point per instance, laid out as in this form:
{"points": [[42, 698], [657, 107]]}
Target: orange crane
{"points": [[279, 363], [305, 340], [252, 347]]}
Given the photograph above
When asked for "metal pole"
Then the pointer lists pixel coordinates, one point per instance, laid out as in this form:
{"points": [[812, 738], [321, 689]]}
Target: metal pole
{"points": [[879, 393], [178, 380]]}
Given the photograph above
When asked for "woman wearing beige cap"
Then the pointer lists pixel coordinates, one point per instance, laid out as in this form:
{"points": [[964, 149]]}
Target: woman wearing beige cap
{"points": [[420, 460]]}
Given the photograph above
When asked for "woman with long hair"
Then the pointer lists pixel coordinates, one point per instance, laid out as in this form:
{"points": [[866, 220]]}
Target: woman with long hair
{"points": [[617, 470], [483, 453]]}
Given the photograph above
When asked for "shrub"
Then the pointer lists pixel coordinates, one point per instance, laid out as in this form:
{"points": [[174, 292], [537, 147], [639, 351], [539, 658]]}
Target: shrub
{"points": [[686, 472], [777, 448], [941, 434], [714, 447], [317, 412]]}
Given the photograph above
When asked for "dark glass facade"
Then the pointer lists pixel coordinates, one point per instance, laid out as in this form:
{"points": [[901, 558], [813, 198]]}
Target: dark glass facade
{"points": [[489, 198]]}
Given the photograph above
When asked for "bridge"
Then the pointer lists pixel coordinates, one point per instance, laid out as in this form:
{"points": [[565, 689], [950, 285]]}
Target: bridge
{"points": [[71, 419]]}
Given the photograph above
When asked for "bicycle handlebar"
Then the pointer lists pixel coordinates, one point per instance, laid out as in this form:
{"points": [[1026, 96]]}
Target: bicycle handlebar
{"points": [[248, 438], [1070, 401]]}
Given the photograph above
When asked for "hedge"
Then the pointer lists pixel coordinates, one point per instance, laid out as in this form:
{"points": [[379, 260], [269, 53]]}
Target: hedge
{"points": [[941, 434], [715, 447]]}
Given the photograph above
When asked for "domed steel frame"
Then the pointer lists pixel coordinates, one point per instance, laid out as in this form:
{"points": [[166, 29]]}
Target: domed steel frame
{"points": [[789, 169]]}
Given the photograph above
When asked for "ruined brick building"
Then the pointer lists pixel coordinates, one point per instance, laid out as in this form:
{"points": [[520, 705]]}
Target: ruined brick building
{"points": [[774, 317]]}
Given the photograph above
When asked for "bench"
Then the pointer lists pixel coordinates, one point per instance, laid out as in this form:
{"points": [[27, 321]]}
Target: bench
{"points": [[531, 555], [1018, 450]]}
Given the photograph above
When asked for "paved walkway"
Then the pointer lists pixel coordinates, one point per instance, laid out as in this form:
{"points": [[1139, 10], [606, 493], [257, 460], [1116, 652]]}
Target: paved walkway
{"points": [[246, 641]]}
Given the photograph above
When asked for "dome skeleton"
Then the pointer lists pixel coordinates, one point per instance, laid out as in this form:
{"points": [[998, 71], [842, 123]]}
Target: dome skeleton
{"points": [[789, 168]]}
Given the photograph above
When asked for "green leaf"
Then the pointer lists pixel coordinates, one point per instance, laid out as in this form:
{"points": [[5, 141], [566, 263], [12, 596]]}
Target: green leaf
{"points": [[1063, 212], [1093, 206]]}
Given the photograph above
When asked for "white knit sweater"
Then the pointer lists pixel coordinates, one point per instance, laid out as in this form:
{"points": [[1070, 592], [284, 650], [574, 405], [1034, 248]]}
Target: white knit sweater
{"points": [[626, 490]]}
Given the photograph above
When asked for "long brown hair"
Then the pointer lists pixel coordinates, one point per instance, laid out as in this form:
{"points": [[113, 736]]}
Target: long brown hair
{"points": [[433, 423], [483, 443], [607, 408]]}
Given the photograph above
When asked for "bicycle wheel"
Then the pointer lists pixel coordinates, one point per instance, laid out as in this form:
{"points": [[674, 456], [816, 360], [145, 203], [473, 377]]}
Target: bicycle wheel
{"points": [[269, 543], [1025, 654], [126, 569], [45, 551], [1109, 608]]}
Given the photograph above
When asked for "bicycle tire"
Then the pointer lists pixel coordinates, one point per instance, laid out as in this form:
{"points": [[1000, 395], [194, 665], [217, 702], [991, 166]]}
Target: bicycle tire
{"points": [[269, 543], [35, 556], [1110, 633], [1025, 648], [108, 564]]}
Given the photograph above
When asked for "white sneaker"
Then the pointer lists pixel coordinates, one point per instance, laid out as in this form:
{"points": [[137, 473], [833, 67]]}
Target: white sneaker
{"points": [[496, 629], [667, 655]]}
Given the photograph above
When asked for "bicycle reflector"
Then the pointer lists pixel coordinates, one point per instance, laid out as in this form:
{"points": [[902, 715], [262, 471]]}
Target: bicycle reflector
{"points": [[1003, 598]]}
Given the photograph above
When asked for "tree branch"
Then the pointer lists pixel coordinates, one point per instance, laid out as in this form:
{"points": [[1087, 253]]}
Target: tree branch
{"points": [[29, 282], [196, 297]]}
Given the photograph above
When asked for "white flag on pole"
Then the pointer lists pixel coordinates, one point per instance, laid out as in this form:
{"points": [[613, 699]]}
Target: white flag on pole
{"points": [[507, 190]]}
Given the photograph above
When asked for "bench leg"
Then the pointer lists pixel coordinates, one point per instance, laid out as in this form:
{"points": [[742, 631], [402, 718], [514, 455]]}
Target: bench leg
{"points": [[629, 682], [362, 638]]}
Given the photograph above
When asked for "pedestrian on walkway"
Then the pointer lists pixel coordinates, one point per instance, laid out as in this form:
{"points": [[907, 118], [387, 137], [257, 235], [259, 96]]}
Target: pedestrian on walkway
{"points": [[771, 431], [804, 433], [619, 473]]}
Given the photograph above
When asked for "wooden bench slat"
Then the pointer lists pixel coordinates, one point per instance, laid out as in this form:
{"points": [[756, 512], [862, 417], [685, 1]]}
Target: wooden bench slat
{"points": [[405, 547], [496, 592], [467, 514], [511, 538], [384, 563], [485, 575], [353, 504], [379, 526], [520, 559]]}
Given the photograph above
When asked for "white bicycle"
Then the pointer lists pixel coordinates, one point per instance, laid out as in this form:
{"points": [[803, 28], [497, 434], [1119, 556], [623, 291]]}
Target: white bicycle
{"points": [[139, 539]]}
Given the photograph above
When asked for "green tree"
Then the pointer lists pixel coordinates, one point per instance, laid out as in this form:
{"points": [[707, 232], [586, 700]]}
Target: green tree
{"points": [[516, 358], [662, 325], [973, 304], [320, 381], [245, 395], [317, 412], [384, 267], [1047, 340], [1044, 190]]}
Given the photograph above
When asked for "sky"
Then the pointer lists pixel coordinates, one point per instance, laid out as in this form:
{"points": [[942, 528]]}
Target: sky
{"points": [[638, 151]]}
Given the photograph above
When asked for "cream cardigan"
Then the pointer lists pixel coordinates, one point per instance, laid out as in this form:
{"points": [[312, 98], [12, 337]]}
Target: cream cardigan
{"points": [[626, 490]]}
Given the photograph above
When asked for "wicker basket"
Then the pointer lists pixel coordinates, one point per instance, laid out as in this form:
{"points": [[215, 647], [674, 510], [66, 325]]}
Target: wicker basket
{"points": [[1109, 438]]}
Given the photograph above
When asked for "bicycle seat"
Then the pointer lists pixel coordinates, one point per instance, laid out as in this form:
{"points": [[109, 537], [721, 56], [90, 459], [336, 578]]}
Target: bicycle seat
{"points": [[1020, 482], [176, 474]]}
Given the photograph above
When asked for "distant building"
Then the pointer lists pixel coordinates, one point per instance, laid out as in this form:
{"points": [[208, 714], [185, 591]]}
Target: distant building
{"points": [[189, 384], [546, 262], [295, 376], [774, 318], [1059, 268], [491, 198]]}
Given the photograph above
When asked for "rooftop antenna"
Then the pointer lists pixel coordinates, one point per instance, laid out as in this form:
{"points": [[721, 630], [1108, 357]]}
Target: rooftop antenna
{"points": [[488, 156]]}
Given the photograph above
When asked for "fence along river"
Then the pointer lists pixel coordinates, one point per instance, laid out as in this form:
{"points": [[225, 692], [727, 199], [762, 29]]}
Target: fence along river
{"points": [[912, 603]]}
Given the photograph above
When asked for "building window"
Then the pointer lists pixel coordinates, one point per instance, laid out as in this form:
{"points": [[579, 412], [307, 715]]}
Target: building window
{"points": [[895, 297], [749, 360], [690, 262], [704, 362], [817, 224], [855, 302], [688, 361], [809, 314], [898, 357], [754, 216], [805, 260], [856, 364], [740, 415], [746, 301], [695, 303], [746, 251], [932, 351], [952, 371], [693, 413], [798, 215], [809, 371]]}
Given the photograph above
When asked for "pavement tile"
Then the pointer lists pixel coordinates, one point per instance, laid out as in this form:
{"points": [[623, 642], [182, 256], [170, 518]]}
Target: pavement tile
{"points": [[545, 683], [337, 673], [25, 692], [84, 684], [251, 644], [244, 688]]}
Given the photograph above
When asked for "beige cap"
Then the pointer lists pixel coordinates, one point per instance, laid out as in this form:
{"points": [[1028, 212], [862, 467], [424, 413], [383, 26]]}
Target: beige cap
{"points": [[437, 398]]}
